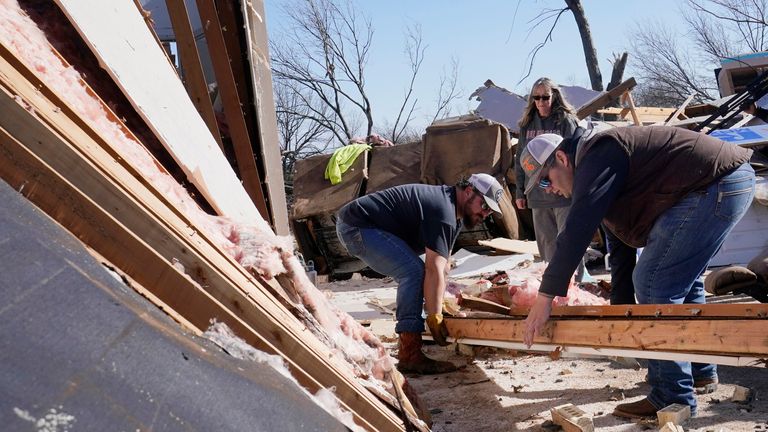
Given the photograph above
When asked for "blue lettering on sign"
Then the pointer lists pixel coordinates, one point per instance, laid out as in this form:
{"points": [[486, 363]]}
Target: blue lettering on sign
{"points": [[737, 135]]}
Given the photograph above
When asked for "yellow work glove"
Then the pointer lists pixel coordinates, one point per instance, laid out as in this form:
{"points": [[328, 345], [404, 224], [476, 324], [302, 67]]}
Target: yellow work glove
{"points": [[437, 328]]}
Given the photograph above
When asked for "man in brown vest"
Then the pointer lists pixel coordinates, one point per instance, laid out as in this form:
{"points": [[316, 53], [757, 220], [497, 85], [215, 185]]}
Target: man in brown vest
{"points": [[674, 192]]}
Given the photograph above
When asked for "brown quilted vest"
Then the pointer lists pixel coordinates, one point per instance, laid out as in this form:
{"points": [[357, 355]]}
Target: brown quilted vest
{"points": [[665, 164]]}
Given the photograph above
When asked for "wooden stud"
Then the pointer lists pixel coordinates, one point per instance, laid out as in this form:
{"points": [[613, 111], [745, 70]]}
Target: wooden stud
{"points": [[192, 68], [674, 117], [266, 138], [631, 103], [220, 58], [732, 337], [604, 98], [742, 394], [671, 427], [675, 414], [657, 311], [572, 418]]}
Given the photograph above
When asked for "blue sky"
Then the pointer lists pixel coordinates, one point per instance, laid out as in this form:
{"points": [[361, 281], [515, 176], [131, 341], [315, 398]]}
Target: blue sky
{"points": [[490, 42]]}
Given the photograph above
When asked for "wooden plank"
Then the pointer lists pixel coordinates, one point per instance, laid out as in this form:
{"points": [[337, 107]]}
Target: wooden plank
{"points": [[231, 101], [192, 68], [646, 311], [605, 98], [756, 311], [116, 33], [674, 117], [732, 337], [266, 135], [482, 305], [511, 245], [627, 96], [564, 351], [642, 111], [97, 181]]}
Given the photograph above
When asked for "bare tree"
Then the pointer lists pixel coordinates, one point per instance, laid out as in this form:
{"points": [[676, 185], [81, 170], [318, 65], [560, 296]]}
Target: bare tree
{"points": [[448, 91], [300, 135], [324, 55], [415, 50], [670, 69], [590, 53]]}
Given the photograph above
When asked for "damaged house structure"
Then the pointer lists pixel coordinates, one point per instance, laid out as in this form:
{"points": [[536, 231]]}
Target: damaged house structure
{"points": [[149, 275]]}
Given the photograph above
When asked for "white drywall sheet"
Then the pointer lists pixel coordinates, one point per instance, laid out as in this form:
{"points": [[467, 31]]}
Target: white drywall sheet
{"points": [[119, 37]]}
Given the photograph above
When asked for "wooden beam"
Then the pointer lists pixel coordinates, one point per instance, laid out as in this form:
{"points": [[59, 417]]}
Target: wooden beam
{"points": [[192, 68], [627, 97], [604, 98], [680, 109], [733, 337], [642, 111], [231, 101], [565, 351], [654, 311], [266, 134], [644, 311], [74, 179]]}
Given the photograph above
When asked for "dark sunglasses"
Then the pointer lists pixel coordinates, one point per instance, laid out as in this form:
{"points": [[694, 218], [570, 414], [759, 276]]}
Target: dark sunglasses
{"points": [[483, 205], [544, 98]]}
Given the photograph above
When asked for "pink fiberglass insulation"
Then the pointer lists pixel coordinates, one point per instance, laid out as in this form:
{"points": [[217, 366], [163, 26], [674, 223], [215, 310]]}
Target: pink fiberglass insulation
{"points": [[255, 247], [524, 285]]}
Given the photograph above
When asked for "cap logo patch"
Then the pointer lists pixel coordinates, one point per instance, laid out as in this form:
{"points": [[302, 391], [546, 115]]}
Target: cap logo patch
{"points": [[497, 195], [527, 164]]}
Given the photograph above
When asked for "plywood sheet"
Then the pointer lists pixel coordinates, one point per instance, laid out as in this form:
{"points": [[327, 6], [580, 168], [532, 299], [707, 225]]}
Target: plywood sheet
{"points": [[510, 245], [118, 36]]}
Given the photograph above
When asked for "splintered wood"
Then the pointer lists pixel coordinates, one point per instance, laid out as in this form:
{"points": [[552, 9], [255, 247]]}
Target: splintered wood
{"points": [[572, 418]]}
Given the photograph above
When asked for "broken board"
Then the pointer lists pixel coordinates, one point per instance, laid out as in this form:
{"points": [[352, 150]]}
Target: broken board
{"points": [[514, 246]]}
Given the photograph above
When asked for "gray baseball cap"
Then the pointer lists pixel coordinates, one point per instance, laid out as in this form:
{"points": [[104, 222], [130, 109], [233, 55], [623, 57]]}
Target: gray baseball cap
{"points": [[538, 154]]}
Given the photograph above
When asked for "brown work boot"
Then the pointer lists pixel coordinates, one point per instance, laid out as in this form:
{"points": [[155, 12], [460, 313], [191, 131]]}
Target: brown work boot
{"points": [[705, 385], [640, 409], [410, 359]]}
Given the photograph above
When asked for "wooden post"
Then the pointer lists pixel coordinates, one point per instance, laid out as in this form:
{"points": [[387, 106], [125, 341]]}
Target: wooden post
{"points": [[628, 97], [246, 162], [194, 78]]}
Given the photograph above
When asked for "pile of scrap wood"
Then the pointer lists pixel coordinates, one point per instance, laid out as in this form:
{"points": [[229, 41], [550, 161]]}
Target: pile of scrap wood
{"points": [[114, 181]]}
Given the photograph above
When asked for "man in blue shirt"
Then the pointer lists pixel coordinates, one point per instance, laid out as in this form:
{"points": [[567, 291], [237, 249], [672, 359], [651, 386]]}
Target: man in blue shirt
{"points": [[389, 229]]}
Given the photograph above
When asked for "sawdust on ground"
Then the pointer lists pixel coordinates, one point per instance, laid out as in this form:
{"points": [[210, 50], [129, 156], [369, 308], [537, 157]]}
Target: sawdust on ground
{"points": [[504, 390]]}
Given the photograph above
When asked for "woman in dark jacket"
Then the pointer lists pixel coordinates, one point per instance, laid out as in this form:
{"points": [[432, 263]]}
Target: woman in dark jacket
{"points": [[547, 112]]}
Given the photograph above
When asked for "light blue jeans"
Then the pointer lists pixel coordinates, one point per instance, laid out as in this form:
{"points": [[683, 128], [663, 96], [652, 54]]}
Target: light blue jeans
{"points": [[388, 254], [681, 243]]}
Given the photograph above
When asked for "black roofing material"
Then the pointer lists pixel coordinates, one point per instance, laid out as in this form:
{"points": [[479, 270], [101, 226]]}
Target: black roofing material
{"points": [[86, 350]]}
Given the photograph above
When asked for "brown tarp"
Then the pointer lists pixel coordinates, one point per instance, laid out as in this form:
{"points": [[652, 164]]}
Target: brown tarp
{"points": [[314, 195], [457, 149], [393, 166], [471, 145]]}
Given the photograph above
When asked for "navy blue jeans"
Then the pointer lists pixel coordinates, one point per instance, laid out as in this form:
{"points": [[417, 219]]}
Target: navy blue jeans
{"points": [[390, 255], [681, 243]]}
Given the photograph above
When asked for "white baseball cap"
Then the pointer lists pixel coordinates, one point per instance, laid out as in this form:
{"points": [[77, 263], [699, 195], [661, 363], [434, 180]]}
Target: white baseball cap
{"points": [[489, 188]]}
